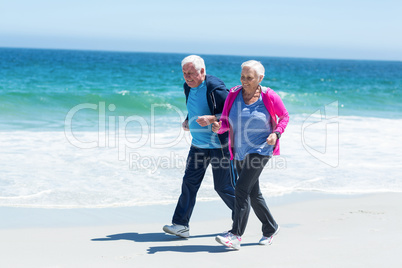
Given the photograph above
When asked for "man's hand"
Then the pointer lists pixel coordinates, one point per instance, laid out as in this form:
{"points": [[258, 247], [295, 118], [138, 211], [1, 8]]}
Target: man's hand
{"points": [[185, 125], [206, 120], [271, 140], [216, 126]]}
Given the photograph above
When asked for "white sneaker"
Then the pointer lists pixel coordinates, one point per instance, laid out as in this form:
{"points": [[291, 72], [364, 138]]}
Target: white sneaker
{"points": [[230, 240], [268, 240], [179, 230]]}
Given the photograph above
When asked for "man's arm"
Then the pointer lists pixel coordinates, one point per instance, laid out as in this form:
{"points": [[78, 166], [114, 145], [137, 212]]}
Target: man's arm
{"points": [[220, 95]]}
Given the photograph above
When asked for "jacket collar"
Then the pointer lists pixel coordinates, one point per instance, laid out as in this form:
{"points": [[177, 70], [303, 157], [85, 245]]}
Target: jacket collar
{"points": [[237, 88]]}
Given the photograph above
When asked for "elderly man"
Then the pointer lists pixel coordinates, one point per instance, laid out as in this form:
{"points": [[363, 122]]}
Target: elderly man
{"points": [[205, 98]]}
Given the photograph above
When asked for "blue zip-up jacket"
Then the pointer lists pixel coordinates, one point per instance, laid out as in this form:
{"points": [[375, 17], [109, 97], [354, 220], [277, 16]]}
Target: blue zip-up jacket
{"points": [[216, 96]]}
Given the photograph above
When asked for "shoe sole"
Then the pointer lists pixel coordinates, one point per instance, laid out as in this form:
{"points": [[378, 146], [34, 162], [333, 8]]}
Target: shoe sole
{"points": [[217, 239], [276, 232], [184, 234]]}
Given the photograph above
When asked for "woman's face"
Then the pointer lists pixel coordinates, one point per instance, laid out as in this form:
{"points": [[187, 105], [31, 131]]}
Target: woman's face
{"points": [[249, 79]]}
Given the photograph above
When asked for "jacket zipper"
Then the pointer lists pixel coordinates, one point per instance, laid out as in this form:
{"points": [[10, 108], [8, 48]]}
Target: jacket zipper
{"points": [[213, 102]]}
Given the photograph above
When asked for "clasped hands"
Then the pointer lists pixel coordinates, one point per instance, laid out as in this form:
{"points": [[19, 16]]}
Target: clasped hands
{"points": [[206, 120]]}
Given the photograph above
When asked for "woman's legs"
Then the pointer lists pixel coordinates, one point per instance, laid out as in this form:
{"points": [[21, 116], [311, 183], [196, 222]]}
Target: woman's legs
{"points": [[247, 192], [261, 209]]}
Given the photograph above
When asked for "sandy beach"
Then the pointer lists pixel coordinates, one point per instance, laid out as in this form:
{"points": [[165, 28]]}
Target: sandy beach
{"points": [[316, 231]]}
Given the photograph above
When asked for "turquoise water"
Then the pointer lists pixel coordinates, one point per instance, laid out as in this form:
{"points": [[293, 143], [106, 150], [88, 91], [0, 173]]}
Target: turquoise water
{"points": [[39, 87], [103, 129]]}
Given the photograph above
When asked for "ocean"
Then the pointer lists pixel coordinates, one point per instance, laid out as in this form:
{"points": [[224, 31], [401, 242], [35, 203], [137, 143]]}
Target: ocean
{"points": [[103, 129]]}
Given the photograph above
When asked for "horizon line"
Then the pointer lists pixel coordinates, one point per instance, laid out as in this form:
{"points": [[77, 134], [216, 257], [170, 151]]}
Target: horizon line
{"points": [[192, 53]]}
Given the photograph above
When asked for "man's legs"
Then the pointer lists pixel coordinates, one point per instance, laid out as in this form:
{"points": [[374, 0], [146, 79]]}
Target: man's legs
{"points": [[224, 175], [197, 163]]}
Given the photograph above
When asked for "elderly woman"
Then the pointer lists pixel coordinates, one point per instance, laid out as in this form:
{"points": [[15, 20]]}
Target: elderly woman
{"points": [[255, 117]]}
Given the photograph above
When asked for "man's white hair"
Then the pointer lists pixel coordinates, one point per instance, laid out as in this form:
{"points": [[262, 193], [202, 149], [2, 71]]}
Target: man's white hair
{"points": [[197, 62]]}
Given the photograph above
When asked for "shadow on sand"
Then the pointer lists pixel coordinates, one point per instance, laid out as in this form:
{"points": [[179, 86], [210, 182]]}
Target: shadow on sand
{"points": [[195, 248], [162, 237], [147, 237]]}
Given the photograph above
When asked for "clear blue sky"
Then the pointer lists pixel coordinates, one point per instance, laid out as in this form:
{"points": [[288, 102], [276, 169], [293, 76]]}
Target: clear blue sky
{"points": [[349, 29]]}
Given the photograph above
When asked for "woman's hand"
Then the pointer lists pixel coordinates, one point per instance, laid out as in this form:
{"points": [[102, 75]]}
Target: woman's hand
{"points": [[216, 126], [271, 140], [206, 120]]}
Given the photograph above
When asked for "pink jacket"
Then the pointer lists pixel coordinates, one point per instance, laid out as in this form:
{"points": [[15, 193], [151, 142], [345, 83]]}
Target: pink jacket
{"points": [[272, 102]]}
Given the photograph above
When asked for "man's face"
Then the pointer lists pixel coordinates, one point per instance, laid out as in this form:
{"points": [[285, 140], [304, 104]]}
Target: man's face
{"points": [[192, 77]]}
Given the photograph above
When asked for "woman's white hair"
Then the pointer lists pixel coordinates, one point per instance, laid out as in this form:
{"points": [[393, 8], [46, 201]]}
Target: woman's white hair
{"points": [[197, 61], [255, 65]]}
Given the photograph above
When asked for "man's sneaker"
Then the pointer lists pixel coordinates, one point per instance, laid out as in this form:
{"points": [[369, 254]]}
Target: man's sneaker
{"points": [[179, 230], [230, 240], [267, 240]]}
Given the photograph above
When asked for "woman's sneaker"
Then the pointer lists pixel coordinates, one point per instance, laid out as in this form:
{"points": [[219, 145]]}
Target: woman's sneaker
{"points": [[267, 240], [230, 240], [179, 230]]}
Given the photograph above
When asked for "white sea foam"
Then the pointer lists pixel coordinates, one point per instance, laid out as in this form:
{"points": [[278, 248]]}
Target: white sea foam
{"points": [[124, 92], [45, 169]]}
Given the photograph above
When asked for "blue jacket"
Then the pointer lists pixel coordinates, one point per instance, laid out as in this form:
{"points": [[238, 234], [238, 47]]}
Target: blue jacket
{"points": [[216, 96]]}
